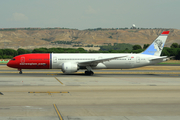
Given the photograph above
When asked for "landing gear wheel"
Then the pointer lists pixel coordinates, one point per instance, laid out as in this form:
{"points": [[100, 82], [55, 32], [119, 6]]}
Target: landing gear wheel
{"points": [[89, 72], [20, 72]]}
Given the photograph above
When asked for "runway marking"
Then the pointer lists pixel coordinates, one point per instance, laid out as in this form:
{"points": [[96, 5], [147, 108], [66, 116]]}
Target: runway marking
{"points": [[58, 80], [138, 72], [50, 92], [58, 113]]}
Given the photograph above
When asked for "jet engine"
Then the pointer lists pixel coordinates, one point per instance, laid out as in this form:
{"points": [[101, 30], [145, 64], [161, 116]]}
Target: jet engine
{"points": [[69, 67]]}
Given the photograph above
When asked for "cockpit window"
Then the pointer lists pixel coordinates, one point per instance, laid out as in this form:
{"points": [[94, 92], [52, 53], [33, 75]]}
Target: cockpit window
{"points": [[13, 59]]}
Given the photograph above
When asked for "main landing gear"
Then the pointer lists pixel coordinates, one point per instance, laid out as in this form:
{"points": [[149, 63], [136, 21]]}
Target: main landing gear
{"points": [[89, 71], [20, 71]]}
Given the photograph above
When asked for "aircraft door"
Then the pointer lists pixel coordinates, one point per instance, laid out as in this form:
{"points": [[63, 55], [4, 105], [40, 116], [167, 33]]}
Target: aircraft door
{"points": [[54, 59], [137, 59], [22, 59]]}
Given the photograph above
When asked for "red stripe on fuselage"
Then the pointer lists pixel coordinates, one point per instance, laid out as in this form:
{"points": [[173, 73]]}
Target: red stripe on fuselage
{"points": [[31, 61]]}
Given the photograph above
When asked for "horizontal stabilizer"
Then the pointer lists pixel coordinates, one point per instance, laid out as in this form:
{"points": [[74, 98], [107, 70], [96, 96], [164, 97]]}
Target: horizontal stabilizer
{"points": [[161, 58]]}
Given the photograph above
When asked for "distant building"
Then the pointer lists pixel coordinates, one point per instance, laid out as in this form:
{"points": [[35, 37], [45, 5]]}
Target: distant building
{"points": [[133, 26]]}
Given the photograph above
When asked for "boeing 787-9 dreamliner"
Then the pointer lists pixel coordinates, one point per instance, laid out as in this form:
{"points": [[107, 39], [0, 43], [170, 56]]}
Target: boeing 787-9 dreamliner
{"points": [[71, 63]]}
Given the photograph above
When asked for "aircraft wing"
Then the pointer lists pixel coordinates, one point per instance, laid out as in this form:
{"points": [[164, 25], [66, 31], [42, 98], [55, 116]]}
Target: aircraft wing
{"points": [[95, 62]]}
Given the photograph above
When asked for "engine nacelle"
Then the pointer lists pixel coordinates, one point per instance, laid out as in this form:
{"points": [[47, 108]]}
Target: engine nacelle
{"points": [[69, 67]]}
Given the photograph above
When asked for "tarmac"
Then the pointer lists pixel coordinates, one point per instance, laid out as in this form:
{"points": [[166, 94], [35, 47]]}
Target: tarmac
{"points": [[140, 94]]}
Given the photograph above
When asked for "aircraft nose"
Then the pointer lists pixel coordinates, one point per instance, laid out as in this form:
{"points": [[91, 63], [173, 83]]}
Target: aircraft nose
{"points": [[9, 64]]}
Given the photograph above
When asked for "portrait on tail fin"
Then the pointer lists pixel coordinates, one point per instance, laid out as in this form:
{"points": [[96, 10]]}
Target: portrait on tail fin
{"points": [[158, 45]]}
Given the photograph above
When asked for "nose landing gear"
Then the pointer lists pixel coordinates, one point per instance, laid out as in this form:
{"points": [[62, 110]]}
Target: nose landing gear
{"points": [[20, 71]]}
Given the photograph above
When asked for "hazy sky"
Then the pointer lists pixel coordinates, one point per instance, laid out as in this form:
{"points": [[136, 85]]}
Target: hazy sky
{"points": [[84, 14]]}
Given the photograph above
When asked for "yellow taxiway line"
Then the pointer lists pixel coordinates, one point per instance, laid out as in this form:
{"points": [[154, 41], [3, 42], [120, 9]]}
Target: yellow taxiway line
{"points": [[58, 113], [58, 80], [49, 92]]}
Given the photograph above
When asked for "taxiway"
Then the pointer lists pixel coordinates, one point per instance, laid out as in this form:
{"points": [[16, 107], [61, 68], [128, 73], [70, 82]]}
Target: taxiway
{"points": [[107, 95]]}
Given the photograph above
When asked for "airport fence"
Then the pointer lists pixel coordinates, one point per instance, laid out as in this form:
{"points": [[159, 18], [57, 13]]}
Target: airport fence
{"points": [[4, 61]]}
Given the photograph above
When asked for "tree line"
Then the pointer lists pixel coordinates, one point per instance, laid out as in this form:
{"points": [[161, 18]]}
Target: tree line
{"points": [[173, 50], [66, 42], [125, 28]]}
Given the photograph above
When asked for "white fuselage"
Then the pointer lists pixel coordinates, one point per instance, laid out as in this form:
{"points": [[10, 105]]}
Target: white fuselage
{"points": [[131, 61]]}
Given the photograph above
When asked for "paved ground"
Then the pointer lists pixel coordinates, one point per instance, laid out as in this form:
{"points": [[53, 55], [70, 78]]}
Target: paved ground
{"points": [[104, 96]]}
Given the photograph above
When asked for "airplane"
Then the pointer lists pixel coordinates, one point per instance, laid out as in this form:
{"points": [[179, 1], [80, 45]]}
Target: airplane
{"points": [[71, 63]]}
